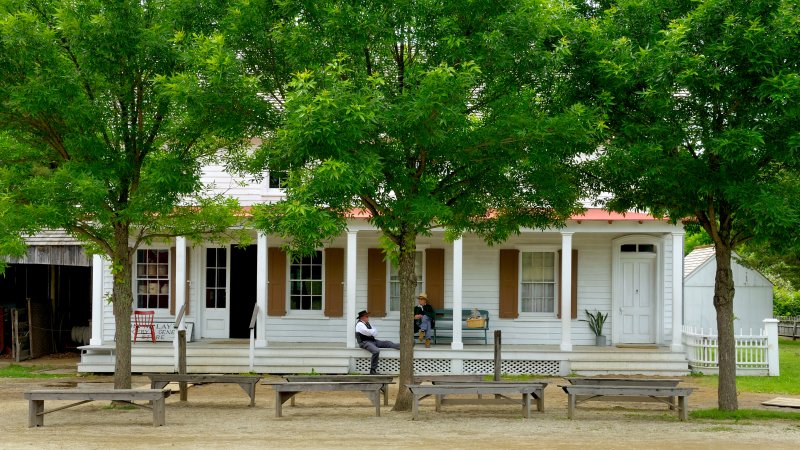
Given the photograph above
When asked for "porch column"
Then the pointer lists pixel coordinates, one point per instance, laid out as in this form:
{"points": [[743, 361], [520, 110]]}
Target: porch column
{"points": [[350, 288], [566, 291], [180, 278], [97, 300], [261, 290], [458, 274], [677, 291], [180, 293]]}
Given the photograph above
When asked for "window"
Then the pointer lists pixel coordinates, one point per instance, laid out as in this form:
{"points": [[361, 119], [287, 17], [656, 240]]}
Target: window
{"points": [[152, 279], [216, 270], [277, 179], [637, 248], [394, 282], [305, 283], [538, 282]]}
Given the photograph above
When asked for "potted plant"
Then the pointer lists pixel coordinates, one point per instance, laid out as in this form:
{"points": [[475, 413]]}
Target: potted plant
{"points": [[596, 322]]}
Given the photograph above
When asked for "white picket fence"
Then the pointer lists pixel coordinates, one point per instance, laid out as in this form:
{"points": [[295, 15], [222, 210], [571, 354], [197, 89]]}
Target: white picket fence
{"points": [[756, 353]]}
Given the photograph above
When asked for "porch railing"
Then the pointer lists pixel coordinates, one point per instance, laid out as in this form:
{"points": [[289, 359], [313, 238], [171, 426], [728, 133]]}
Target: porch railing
{"points": [[756, 353]]}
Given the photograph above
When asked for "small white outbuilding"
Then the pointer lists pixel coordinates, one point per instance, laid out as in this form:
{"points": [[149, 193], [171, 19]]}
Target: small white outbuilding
{"points": [[752, 302]]}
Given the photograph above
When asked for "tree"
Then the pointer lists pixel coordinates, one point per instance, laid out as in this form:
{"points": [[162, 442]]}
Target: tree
{"points": [[703, 118], [425, 114], [107, 112]]}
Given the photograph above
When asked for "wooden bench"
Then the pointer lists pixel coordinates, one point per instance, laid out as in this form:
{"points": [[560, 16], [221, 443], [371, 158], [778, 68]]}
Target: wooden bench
{"points": [[607, 381], [36, 400], [246, 382], [502, 389], [581, 393], [386, 380], [443, 327], [286, 390]]}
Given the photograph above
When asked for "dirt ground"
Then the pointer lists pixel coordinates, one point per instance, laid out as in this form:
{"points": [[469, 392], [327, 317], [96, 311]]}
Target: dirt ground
{"points": [[217, 416]]}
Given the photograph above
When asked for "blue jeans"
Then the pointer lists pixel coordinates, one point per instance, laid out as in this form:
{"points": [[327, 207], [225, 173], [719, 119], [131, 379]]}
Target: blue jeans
{"points": [[425, 325]]}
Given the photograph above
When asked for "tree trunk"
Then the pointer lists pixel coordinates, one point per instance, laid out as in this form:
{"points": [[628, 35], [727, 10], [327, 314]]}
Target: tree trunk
{"points": [[726, 352], [408, 287], [122, 299]]}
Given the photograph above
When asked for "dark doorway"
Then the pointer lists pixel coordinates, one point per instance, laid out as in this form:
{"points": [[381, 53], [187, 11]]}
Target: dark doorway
{"points": [[63, 297], [243, 289]]}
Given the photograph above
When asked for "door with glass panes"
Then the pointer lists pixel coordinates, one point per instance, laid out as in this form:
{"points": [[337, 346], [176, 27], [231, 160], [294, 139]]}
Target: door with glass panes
{"points": [[216, 310]]}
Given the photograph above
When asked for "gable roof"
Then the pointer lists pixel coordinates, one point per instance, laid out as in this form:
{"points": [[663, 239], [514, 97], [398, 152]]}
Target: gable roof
{"points": [[697, 258]]}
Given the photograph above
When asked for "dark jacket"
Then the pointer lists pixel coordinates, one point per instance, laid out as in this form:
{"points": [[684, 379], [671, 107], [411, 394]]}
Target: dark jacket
{"points": [[426, 310]]}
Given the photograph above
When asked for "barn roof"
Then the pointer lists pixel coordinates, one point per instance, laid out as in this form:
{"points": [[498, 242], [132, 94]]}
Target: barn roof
{"points": [[696, 258]]}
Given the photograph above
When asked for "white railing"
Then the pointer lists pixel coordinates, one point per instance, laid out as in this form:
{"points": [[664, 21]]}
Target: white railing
{"points": [[756, 353]]}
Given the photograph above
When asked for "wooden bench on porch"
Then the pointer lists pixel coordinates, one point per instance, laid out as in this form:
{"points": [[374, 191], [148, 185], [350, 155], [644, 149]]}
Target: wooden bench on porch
{"points": [[443, 327], [672, 396], [286, 390], [36, 400], [385, 380], [500, 389], [246, 382]]}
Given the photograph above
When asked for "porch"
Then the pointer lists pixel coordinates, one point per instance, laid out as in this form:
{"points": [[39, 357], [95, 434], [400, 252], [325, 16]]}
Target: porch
{"points": [[233, 356]]}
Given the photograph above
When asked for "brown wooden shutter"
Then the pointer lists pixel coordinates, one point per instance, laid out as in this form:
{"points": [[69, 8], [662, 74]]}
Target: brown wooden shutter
{"points": [[376, 283], [509, 284], [334, 282], [574, 283], [173, 258], [434, 277], [276, 275]]}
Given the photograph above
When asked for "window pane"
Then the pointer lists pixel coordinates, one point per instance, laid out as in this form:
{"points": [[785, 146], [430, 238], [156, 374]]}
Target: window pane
{"points": [[647, 248], [628, 248], [305, 282], [210, 300]]}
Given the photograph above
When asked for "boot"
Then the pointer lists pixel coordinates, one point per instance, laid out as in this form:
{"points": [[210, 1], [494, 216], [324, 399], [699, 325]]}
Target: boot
{"points": [[421, 335], [427, 343]]}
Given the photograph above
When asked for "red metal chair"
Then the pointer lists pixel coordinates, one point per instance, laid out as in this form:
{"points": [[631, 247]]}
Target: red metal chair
{"points": [[144, 319]]}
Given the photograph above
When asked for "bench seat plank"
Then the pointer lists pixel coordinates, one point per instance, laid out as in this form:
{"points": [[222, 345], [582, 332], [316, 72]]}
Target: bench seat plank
{"points": [[37, 398], [246, 382], [386, 380]]}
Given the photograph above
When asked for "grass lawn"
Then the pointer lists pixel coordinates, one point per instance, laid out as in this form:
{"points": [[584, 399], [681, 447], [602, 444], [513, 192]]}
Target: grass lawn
{"points": [[786, 383], [18, 371]]}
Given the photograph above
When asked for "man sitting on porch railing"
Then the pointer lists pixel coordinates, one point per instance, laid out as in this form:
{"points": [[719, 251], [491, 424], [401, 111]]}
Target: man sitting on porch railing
{"points": [[365, 336]]}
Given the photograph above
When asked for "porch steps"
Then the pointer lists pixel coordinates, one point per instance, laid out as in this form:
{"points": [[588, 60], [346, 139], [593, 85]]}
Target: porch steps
{"points": [[662, 363]]}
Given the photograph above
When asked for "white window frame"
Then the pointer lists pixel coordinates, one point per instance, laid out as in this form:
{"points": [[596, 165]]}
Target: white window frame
{"points": [[159, 311], [420, 286], [556, 280], [304, 312]]}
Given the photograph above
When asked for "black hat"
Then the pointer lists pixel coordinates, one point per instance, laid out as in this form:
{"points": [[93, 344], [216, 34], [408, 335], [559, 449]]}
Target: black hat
{"points": [[362, 313]]}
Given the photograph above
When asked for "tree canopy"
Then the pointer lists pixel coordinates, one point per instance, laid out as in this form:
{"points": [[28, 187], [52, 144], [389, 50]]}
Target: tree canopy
{"points": [[453, 114], [108, 111], [703, 112]]}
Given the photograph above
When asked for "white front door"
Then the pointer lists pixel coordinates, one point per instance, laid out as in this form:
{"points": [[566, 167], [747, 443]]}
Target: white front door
{"points": [[638, 308], [215, 293]]}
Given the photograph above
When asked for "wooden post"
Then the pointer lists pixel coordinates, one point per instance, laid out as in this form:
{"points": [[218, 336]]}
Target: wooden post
{"points": [[182, 362], [794, 332], [497, 361]]}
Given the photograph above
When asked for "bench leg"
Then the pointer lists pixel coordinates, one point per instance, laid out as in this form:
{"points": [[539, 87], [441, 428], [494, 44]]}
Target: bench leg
{"points": [[439, 398], [375, 398], [571, 406], [540, 401], [159, 412], [385, 390], [526, 405], [415, 407], [35, 413], [683, 412], [250, 389]]}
